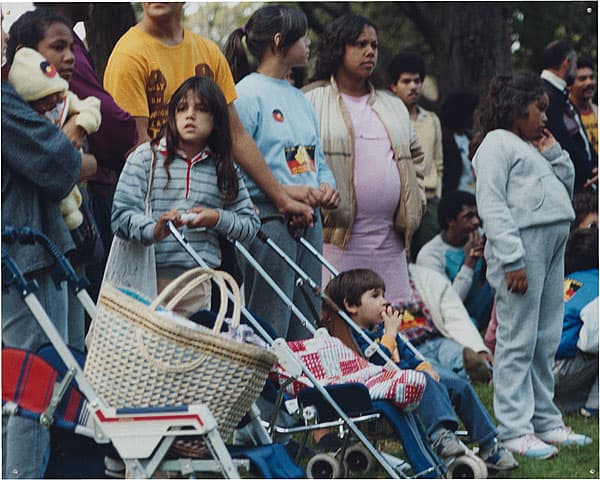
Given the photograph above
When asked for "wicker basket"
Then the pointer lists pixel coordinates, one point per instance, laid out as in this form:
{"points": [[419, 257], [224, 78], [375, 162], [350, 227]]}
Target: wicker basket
{"points": [[139, 358]]}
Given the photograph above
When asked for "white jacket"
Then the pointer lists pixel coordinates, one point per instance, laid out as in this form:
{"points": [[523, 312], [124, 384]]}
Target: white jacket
{"points": [[446, 308]]}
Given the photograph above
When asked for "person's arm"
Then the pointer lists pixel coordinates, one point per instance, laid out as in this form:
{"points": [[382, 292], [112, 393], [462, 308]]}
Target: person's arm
{"points": [[438, 152], [128, 216], [141, 125], [418, 159], [559, 160], [125, 78], [35, 149], [117, 133], [492, 164], [248, 156], [238, 220]]}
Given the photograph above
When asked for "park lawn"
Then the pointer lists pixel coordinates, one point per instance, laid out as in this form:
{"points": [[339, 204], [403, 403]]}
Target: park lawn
{"points": [[571, 462]]}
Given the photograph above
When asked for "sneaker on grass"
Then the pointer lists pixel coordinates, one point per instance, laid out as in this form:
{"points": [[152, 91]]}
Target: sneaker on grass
{"points": [[446, 444], [498, 458], [530, 446], [563, 436]]}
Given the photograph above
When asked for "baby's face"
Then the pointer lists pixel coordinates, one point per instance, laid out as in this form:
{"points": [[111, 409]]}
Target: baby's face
{"points": [[47, 103]]}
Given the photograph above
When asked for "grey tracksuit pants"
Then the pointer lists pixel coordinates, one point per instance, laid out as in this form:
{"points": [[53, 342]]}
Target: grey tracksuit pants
{"points": [[528, 334]]}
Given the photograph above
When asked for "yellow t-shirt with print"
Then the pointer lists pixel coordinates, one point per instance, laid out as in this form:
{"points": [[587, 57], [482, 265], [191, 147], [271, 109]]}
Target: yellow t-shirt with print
{"points": [[590, 125], [142, 73]]}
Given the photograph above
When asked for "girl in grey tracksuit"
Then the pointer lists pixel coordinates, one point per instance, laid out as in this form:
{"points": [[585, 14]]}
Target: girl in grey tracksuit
{"points": [[524, 188]]}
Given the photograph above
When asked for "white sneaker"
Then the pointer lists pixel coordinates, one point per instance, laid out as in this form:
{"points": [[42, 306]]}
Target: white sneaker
{"points": [[563, 436], [530, 446]]}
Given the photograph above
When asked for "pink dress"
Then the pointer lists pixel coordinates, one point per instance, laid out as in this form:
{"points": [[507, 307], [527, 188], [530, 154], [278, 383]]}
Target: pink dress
{"points": [[374, 243]]}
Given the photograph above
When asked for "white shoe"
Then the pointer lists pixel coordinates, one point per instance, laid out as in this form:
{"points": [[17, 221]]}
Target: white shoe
{"points": [[563, 436], [530, 446]]}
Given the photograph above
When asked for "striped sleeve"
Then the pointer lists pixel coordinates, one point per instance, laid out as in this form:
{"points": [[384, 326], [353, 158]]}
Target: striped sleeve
{"points": [[129, 218], [238, 219]]}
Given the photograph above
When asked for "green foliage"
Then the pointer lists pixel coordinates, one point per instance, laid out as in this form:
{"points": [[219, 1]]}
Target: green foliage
{"points": [[535, 24]]}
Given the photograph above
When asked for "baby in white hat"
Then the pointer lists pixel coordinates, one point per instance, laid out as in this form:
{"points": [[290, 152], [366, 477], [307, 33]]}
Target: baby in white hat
{"points": [[39, 83]]}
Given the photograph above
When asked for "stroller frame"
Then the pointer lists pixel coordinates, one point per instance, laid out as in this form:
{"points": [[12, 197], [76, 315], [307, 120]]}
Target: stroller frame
{"points": [[466, 464], [141, 436], [296, 368]]}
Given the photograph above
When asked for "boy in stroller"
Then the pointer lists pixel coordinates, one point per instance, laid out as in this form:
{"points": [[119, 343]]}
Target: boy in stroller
{"points": [[361, 294]]}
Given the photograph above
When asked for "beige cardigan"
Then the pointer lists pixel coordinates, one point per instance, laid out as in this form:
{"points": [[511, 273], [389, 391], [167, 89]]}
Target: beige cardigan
{"points": [[337, 138]]}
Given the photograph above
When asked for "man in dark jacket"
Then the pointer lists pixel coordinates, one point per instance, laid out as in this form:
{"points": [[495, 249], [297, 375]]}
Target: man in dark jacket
{"points": [[559, 62]]}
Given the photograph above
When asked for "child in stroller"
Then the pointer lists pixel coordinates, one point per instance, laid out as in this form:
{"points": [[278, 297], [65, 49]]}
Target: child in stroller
{"points": [[360, 293]]}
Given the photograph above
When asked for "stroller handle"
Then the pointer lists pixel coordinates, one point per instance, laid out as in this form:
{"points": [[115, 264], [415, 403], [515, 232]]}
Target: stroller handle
{"points": [[63, 271]]}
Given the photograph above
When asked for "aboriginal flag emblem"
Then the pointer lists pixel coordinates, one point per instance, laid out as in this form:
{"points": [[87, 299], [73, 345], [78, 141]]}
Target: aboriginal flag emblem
{"points": [[48, 69], [278, 115]]}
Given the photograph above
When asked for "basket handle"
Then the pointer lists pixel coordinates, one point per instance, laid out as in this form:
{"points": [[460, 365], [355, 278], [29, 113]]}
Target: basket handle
{"points": [[218, 276], [237, 297], [198, 276], [181, 368]]}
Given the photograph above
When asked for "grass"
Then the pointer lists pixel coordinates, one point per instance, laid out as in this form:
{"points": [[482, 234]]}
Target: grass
{"points": [[571, 462]]}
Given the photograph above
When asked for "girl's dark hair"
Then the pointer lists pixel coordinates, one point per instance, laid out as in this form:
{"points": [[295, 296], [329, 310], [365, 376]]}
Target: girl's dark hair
{"points": [[259, 31], [582, 250], [219, 140], [30, 29], [332, 44], [507, 98], [351, 284]]}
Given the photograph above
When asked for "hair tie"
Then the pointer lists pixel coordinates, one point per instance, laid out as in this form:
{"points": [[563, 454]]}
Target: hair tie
{"points": [[243, 29]]}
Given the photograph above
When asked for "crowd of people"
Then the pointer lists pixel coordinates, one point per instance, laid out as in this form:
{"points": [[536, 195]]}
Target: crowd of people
{"points": [[445, 229]]}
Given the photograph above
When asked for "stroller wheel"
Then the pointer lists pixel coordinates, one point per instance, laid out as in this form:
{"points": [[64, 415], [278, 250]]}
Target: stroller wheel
{"points": [[324, 465], [358, 459], [467, 466]]}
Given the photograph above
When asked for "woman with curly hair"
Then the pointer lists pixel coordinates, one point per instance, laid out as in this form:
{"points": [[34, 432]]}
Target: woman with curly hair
{"points": [[374, 154], [524, 188]]}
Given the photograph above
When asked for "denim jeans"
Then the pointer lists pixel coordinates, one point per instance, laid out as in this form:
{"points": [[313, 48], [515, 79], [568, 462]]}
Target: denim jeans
{"points": [[440, 399], [444, 354], [25, 442]]}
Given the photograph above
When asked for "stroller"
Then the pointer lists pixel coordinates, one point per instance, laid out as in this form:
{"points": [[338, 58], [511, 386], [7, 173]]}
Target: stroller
{"points": [[468, 464], [330, 405], [141, 436]]}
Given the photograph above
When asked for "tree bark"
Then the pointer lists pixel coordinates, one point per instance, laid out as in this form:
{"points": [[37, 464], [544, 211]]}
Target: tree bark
{"points": [[108, 22], [470, 41]]}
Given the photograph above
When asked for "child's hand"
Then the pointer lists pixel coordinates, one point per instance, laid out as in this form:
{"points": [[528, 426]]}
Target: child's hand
{"points": [[74, 132], [160, 229], [545, 141], [330, 198], [392, 320], [427, 368], [516, 281], [204, 217]]}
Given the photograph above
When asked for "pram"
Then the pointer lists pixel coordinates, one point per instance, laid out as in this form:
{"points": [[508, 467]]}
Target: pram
{"points": [[325, 402], [340, 325], [142, 437]]}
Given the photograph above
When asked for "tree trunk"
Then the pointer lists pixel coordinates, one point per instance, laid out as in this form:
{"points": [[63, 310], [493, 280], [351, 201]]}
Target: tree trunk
{"points": [[470, 41], [108, 22]]}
